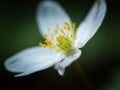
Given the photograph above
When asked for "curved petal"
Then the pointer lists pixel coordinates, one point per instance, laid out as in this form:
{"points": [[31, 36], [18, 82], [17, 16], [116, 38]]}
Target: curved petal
{"points": [[91, 23], [31, 60], [60, 66], [49, 15]]}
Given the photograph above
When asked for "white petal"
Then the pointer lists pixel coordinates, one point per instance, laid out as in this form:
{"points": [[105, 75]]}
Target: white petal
{"points": [[91, 23], [32, 60], [49, 15], [60, 66]]}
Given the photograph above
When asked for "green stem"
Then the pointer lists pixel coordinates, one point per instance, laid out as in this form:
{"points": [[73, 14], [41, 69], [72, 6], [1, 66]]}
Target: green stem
{"points": [[83, 76]]}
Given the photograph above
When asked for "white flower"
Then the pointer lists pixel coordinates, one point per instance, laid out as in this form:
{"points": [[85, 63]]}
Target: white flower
{"points": [[62, 39]]}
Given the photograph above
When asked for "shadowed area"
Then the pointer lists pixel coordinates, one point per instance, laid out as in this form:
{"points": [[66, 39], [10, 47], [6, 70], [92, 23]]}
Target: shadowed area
{"points": [[99, 62]]}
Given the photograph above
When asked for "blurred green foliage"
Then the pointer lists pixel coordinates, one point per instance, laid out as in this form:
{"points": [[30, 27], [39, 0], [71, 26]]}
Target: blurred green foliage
{"points": [[101, 55]]}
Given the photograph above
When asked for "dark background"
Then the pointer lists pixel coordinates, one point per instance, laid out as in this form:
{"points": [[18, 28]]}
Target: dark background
{"points": [[99, 61]]}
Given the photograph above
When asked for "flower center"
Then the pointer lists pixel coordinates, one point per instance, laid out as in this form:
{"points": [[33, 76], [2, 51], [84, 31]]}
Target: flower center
{"points": [[61, 39]]}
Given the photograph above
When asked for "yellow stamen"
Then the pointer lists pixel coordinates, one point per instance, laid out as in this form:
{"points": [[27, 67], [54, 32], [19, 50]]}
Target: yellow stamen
{"points": [[63, 32], [56, 29], [46, 36], [63, 39], [76, 29], [67, 26], [74, 26]]}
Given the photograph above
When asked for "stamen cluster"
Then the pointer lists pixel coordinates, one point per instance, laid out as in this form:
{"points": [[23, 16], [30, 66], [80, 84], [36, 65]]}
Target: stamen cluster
{"points": [[61, 39]]}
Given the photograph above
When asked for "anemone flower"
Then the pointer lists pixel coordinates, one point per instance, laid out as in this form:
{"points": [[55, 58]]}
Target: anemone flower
{"points": [[62, 39]]}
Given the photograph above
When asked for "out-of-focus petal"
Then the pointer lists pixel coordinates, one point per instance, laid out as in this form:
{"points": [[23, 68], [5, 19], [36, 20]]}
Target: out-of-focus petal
{"points": [[49, 15], [60, 66], [31, 60], [91, 23]]}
